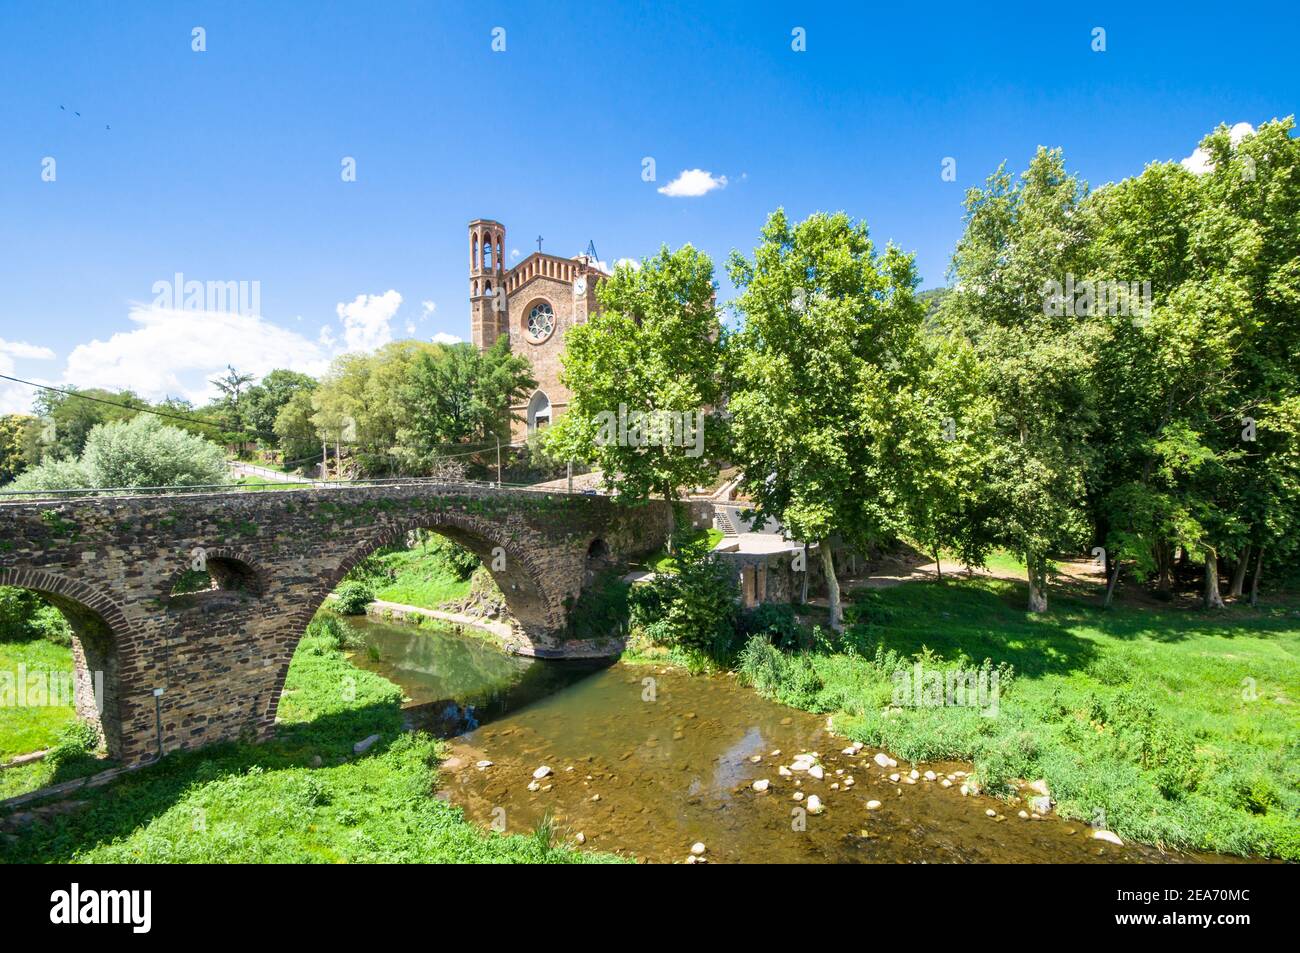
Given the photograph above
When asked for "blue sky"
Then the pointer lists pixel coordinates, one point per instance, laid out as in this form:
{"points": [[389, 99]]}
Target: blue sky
{"points": [[225, 165]]}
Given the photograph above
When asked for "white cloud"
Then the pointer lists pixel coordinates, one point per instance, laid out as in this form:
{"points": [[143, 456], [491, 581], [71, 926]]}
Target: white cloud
{"points": [[1198, 163], [177, 353], [427, 308], [442, 337], [629, 263], [367, 321], [692, 183], [17, 398]]}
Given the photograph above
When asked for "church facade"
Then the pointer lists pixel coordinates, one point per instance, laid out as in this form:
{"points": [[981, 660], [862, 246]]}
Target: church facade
{"points": [[533, 303]]}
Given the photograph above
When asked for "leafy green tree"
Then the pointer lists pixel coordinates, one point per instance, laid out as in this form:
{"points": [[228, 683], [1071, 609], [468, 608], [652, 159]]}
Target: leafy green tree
{"points": [[67, 419], [645, 373], [694, 607], [297, 435], [263, 401], [14, 458], [457, 395], [823, 393], [1024, 239], [138, 452]]}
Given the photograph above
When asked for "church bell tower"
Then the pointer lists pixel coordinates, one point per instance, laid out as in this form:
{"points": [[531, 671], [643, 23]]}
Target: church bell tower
{"points": [[488, 305]]}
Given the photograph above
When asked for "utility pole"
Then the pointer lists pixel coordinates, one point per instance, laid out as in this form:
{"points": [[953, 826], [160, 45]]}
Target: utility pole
{"points": [[570, 476], [498, 461]]}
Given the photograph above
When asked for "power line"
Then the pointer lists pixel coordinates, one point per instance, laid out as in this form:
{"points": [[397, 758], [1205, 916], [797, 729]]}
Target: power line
{"points": [[139, 410]]}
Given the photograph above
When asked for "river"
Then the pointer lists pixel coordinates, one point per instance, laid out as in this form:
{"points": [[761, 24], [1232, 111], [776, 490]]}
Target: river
{"points": [[646, 761]]}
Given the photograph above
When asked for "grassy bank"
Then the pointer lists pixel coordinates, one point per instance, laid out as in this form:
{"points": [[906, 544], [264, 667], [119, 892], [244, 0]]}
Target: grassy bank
{"points": [[412, 577], [268, 803], [32, 727], [1173, 728]]}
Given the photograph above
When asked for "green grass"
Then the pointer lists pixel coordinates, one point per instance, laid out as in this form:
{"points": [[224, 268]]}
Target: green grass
{"points": [[242, 803], [257, 484], [662, 561], [418, 581], [25, 728], [1175, 728]]}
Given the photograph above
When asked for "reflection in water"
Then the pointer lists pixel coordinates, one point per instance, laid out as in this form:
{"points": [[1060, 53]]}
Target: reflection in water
{"points": [[647, 768], [457, 682]]}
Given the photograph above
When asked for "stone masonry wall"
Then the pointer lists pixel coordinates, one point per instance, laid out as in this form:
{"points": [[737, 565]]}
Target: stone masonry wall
{"points": [[220, 657]]}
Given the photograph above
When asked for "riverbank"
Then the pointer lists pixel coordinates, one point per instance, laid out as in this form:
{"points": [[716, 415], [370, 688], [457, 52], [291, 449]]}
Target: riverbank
{"points": [[1171, 728], [306, 797]]}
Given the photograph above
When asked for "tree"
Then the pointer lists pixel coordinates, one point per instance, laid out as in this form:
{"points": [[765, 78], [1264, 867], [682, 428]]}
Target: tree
{"points": [[14, 429], [645, 373], [458, 394], [263, 402], [67, 419], [1024, 242], [135, 453], [297, 435], [822, 394]]}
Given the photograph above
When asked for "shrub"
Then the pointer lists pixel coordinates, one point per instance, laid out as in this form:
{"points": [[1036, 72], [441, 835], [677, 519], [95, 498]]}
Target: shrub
{"points": [[75, 741], [450, 557], [778, 622], [694, 608], [351, 598]]}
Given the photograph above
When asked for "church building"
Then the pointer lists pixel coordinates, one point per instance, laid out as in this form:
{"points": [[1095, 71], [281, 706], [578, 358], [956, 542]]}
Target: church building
{"points": [[533, 303]]}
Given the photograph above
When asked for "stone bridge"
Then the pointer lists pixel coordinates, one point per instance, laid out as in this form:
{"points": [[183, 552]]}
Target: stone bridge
{"points": [[180, 671]]}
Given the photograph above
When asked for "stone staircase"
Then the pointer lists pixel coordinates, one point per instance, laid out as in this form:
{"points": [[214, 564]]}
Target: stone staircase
{"points": [[722, 521]]}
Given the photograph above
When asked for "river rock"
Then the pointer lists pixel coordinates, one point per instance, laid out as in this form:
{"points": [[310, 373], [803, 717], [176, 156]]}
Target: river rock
{"points": [[945, 783], [1041, 804], [541, 772], [1108, 837], [873, 805], [1023, 815], [895, 777], [761, 785], [365, 744], [755, 758], [990, 812], [483, 765], [1040, 787], [884, 760], [815, 804], [913, 774], [580, 838], [784, 771], [930, 776], [534, 786], [698, 849], [816, 772]]}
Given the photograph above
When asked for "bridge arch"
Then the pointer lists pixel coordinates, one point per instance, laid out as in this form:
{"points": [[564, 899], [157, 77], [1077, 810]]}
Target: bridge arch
{"points": [[536, 603], [99, 628]]}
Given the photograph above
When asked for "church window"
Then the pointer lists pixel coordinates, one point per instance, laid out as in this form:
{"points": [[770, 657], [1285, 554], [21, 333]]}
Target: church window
{"points": [[541, 322]]}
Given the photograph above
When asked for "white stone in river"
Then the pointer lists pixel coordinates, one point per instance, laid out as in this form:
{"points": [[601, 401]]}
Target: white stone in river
{"points": [[850, 751], [755, 758], [848, 782], [873, 805], [541, 772], [965, 790], [815, 804], [816, 772], [784, 771], [884, 760], [482, 764], [895, 777], [930, 775], [1023, 815], [761, 785], [1108, 837], [945, 783], [1040, 787], [798, 795], [581, 838], [914, 774], [595, 797], [698, 848], [991, 813], [534, 786], [775, 753]]}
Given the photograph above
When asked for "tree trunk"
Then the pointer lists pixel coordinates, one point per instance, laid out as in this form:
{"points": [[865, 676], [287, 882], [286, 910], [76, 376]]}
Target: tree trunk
{"points": [[1110, 586], [803, 586], [938, 564], [1037, 583], [1239, 572], [1254, 582], [1164, 560], [832, 586], [1213, 600]]}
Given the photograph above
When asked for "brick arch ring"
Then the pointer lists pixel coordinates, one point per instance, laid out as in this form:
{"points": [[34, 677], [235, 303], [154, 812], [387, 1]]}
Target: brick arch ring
{"points": [[231, 553], [45, 583], [482, 529]]}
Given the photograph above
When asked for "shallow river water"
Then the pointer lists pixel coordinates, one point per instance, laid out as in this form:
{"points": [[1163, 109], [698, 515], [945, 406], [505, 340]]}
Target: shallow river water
{"points": [[647, 761]]}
